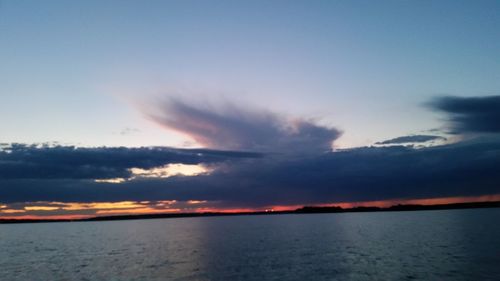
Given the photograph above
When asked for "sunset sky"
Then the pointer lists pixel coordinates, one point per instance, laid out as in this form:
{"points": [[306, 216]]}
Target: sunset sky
{"points": [[124, 107]]}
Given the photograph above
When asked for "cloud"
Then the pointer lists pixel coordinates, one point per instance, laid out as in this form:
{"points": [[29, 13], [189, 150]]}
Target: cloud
{"points": [[129, 131], [470, 114], [232, 127], [21, 161], [45, 209], [361, 174], [412, 139]]}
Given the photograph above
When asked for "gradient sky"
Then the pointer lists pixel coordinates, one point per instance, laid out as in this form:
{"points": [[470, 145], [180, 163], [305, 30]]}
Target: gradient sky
{"points": [[168, 73], [71, 71]]}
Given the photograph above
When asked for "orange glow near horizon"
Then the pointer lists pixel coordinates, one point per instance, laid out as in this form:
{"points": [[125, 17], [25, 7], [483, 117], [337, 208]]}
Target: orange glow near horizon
{"points": [[139, 211], [57, 210], [222, 210], [279, 208], [426, 201], [39, 217]]}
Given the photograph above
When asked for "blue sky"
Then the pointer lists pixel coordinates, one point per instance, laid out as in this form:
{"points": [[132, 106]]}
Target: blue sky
{"points": [[74, 72]]}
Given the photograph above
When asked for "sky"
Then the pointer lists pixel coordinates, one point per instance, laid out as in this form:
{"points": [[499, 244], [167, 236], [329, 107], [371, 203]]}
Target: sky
{"points": [[112, 107]]}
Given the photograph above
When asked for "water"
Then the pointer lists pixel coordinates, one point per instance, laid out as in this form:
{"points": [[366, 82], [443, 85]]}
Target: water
{"points": [[427, 245]]}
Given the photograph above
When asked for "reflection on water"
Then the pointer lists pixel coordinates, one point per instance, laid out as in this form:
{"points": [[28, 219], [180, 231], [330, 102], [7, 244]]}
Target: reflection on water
{"points": [[428, 245]]}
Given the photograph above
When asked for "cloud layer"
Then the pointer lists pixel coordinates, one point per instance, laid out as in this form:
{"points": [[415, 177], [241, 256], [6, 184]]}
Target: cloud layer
{"points": [[362, 174], [21, 161]]}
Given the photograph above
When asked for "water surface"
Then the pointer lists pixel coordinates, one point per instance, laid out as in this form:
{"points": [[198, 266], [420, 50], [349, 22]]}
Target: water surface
{"points": [[421, 245]]}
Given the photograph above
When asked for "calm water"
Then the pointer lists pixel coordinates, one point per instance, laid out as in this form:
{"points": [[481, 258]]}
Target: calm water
{"points": [[430, 245]]}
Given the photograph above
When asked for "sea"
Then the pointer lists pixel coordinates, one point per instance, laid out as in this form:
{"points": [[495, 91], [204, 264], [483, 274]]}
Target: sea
{"points": [[417, 245]]}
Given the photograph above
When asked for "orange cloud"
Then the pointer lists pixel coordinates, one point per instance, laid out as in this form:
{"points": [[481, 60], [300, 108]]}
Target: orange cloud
{"points": [[169, 171], [12, 211], [41, 208], [196, 202], [112, 180], [102, 205]]}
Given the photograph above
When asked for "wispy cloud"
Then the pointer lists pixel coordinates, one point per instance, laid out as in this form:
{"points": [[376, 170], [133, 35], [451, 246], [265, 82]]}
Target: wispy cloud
{"points": [[412, 139], [129, 131]]}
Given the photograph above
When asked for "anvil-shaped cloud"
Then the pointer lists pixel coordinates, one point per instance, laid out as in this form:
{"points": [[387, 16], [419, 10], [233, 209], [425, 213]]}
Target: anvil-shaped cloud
{"points": [[232, 127]]}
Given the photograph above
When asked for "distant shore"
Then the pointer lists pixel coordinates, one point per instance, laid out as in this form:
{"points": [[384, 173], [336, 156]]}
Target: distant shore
{"points": [[303, 210]]}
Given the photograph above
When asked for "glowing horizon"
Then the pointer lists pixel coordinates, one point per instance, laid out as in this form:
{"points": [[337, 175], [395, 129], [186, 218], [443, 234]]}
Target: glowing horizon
{"points": [[42, 210]]}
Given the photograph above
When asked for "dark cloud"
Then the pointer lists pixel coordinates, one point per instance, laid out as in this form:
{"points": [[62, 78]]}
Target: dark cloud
{"points": [[232, 127], [21, 161], [470, 114], [412, 139], [361, 174]]}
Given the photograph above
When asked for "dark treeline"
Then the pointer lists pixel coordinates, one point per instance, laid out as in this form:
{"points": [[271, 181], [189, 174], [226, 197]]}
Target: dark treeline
{"points": [[399, 207]]}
